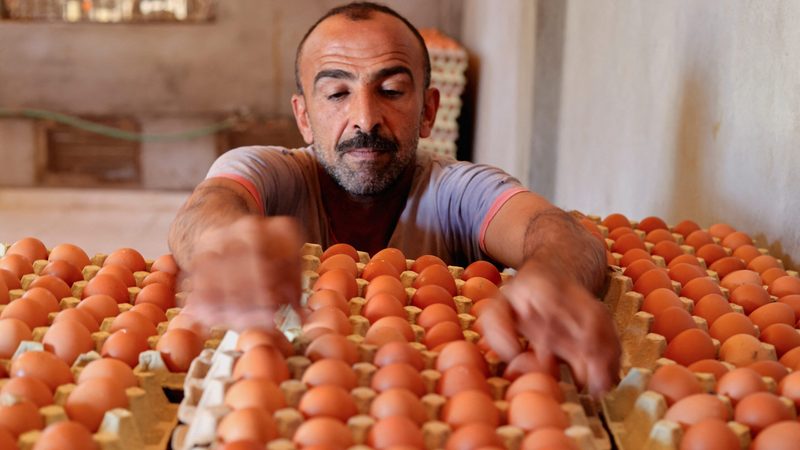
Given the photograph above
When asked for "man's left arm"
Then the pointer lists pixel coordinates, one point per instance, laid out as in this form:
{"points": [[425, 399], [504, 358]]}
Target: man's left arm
{"points": [[561, 269]]}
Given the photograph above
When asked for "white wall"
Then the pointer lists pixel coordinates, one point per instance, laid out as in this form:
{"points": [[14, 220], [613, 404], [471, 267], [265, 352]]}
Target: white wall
{"points": [[684, 109]]}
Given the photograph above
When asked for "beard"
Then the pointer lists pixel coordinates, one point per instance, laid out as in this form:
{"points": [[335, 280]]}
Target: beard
{"points": [[369, 176]]}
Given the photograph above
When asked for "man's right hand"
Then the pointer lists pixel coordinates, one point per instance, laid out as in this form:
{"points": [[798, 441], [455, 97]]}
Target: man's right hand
{"points": [[242, 273]]}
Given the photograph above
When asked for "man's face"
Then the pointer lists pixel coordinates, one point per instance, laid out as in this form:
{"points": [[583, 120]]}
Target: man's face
{"points": [[364, 105]]}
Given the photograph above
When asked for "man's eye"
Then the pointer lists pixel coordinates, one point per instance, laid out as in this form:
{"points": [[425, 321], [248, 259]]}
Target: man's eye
{"points": [[391, 92], [337, 95]]}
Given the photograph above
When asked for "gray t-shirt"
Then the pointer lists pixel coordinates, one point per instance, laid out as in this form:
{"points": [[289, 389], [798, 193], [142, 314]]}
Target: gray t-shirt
{"points": [[449, 206]]}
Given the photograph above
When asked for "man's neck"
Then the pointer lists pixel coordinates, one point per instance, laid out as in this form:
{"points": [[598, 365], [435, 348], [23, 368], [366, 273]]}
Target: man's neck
{"points": [[364, 221]]}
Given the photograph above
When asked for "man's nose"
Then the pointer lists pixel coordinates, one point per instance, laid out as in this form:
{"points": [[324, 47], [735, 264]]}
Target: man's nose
{"points": [[366, 113]]}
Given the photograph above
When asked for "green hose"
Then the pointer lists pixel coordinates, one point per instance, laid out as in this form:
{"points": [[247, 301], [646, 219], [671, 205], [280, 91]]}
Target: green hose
{"points": [[105, 130]]}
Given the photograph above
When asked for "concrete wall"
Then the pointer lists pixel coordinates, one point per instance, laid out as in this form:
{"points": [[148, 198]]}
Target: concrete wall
{"points": [[684, 109]]}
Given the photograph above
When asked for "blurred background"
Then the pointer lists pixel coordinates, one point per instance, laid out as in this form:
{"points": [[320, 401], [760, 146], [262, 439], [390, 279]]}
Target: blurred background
{"points": [[112, 110]]}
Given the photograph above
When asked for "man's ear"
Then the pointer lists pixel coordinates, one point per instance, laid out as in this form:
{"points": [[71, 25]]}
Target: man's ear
{"points": [[429, 108], [301, 117]]}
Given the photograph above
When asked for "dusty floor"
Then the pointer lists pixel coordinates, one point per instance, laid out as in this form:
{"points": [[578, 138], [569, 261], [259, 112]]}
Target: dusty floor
{"points": [[99, 221]]}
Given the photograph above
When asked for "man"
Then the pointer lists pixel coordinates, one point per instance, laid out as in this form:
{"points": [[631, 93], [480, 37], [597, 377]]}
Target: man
{"points": [[363, 100]]}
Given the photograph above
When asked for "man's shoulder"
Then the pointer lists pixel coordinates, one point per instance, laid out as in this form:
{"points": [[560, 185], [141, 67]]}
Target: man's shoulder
{"points": [[271, 151]]}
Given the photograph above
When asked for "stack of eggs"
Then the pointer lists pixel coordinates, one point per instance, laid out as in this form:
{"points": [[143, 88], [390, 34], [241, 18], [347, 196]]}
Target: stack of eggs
{"points": [[76, 338], [448, 64], [716, 319], [390, 355]]}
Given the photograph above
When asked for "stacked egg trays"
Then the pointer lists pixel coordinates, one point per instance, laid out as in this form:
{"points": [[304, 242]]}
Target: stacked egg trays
{"points": [[87, 348], [390, 355], [448, 64], [709, 329]]}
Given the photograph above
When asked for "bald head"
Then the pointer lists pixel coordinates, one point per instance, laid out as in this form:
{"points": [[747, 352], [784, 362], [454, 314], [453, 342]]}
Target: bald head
{"points": [[359, 12]]}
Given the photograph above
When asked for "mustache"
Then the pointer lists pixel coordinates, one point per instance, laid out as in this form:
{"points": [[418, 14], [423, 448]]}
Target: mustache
{"points": [[373, 141]]}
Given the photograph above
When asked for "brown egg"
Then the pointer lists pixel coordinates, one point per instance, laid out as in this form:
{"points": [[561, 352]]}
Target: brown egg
{"points": [[43, 297], [773, 313], [711, 253], [382, 305], [616, 220], [435, 314], [394, 431], [686, 258], [63, 270], [461, 378], [65, 435], [633, 255], [770, 275], [386, 284], [398, 375], [120, 272], [100, 306], [685, 272], [789, 387], [381, 336], [760, 410], [125, 346], [659, 300], [340, 261], [696, 408], [477, 288], [323, 431], [742, 350], [247, 424], [783, 286], [483, 269], [627, 242], [770, 368], [255, 393], [55, 285], [71, 254], [468, 407], [127, 257], [42, 365], [398, 402], [339, 281], [711, 307], [740, 382], [333, 346], [652, 280], [735, 279], [685, 227], [330, 372], [534, 410], [12, 332], [188, 322], [730, 324], [90, 400], [20, 417], [668, 250], [761, 263], [158, 294], [151, 311], [648, 224], [527, 362], [29, 247], [784, 337], [442, 333], [133, 322], [11, 280], [791, 359], [68, 339], [659, 235], [393, 256], [750, 297], [726, 265], [674, 382], [396, 323], [536, 382], [7, 440], [720, 230], [426, 260], [107, 285], [638, 268], [16, 264], [165, 263], [778, 436], [327, 297], [548, 438], [398, 352], [329, 317], [619, 231], [178, 348], [32, 313], [337, 249], [29, 388], [461, 352], [710, 434], [736, 239], [159, 277], [431, 294], [263, 361], [436, 275], [699, 288], [253, 337], [690, 346], [672, 322], [711, 366], [4, 296], [328, 401], [109, 368], [699, 238], [379, 267], [473, 436]]}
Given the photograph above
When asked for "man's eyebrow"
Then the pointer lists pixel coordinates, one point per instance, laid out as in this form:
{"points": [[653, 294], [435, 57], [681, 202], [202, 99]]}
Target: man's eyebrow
{"points": [[334, 73], [394, 70]]}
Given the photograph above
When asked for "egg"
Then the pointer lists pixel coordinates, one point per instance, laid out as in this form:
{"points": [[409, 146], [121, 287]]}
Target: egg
{"points": [[63, 270], [7, 440], [11, 280], [398, 402], [627, 242], [133, 322], [71, 254], [730, 324], [165, 263], [535, 382], [158, 294], [382, 305], [42, 365], [339, 281], [789, 387], [125, 346], [337, 249], [188, 321], [674, 382], [328, 401], [685, 272], [430, 294], [155, 314], [256, 336], [399, 352], [762, 263], [20, 416], [29, 388], [770, 275], [773, 313], [685, 258], [778, 436], [90, 400], [689, 346], [43, 297], [255, 393], [398, 324], [726, 265], [394, 431], [17, 265], [32, 313], [436, 314], [770, 368], [461, 352], [159, 277], [461, 378], [483, 269], [685, 227], [327, 297], [100, 306], [659, 300], [667, 249], [791, 359], [393, 256], [12, 332], [760, 410], [333, 346], [548, 438], [742, 349], [398, 375], [671, 322], [533, 410], [696, 408], [633, 255], [735, 279], [378, 267], [55, 285], [468, 407], [386, 284], [736, 239], [526, 362], [700, 287], [248, 424], [127, 257], [619, 231], [111, 368], [750, 297], [436, 275], [263, 361], [441, 334], [66, 435], [178, 347], [340, 261], [473, 436], [711, 253], [652, 280], [477, 288], [710, 434], [711, 307], [323, 431], [68, 339], [120, 272], [424, 261], [330, 371], [638, 268], [31, 248], [740, 382], [107, 285], [784, 286], [711, 366], [659, 235], [616, 220]]}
